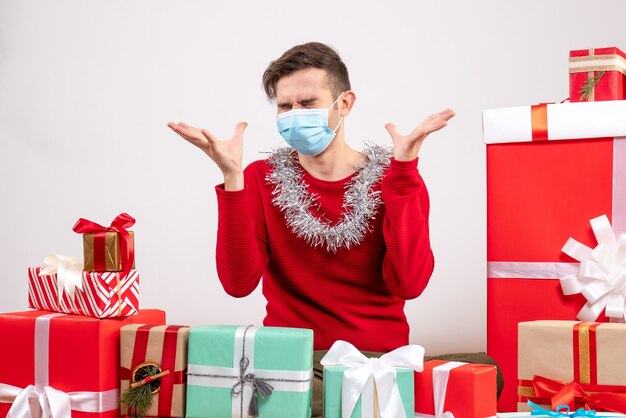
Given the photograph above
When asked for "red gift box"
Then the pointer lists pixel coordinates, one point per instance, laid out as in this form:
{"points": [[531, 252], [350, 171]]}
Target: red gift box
{"points": [[103, 295], [603, 70], [60, 360], [539, 194], [469, 390]]}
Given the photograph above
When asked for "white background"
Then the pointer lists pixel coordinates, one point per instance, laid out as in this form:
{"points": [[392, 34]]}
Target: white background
{"points": [[87, 87]]}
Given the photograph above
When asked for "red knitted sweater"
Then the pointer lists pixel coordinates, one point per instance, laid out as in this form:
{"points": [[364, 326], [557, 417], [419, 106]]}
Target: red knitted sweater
{"points": [[355, 295]]}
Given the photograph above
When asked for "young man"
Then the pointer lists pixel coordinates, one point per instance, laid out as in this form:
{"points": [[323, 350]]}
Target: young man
{"points": [[339, 236]]}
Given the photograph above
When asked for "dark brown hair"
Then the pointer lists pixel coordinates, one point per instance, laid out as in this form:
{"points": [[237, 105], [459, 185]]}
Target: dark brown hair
{"points": [[312, 54]]}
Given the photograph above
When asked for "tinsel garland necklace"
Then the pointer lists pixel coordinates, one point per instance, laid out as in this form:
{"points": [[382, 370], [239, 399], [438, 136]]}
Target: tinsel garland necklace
{"points": [[360, 202]]}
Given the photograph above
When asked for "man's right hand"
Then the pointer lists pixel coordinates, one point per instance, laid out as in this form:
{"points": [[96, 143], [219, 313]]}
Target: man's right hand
{"points": [[226, 154]]}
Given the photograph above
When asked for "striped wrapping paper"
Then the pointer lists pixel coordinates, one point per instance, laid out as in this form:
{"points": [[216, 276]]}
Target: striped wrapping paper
{"points": [[103, 295]]}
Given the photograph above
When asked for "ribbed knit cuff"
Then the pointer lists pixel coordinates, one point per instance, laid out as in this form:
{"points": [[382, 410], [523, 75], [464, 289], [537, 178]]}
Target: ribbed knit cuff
{"points": [[401, 179], [230, 194]]}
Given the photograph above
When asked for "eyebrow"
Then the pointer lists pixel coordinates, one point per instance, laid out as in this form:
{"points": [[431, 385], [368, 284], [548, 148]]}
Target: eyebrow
{"points": [[303, 102]]}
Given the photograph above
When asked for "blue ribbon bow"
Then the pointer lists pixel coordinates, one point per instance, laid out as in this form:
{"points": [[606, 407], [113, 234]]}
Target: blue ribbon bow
{"points": [[561, 411]]}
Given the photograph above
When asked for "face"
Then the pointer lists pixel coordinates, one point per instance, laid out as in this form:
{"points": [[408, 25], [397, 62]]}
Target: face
{"points": [[307, 89]]}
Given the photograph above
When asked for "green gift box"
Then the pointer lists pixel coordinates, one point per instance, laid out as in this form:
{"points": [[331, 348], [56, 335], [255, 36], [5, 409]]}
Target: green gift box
{"points": [[359, 387], [231, 368], [333, 377]]}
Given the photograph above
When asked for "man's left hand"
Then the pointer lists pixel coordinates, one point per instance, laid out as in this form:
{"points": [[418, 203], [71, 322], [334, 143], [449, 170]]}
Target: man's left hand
{"points": [[406, 147]]}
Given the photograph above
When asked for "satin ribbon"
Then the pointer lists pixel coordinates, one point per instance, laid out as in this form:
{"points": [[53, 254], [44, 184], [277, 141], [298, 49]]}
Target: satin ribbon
{"points": [[539, 122], [119, 225], [574, 395], [69, 272], [382, 370], [561, 411], [441, 375], [601, 277], [42, 400]]}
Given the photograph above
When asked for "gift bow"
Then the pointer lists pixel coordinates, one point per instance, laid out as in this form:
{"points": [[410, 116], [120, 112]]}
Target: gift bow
{"points": [[560, 411], [69, 271], [119, 225], [382, 369], [573, 395], [48, 402], [601, 277]]}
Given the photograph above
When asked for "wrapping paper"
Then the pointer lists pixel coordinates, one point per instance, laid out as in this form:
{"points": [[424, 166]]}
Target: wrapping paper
{"points": [[166, 346], [539, 194], [111, 254], [591, 354], [283, 357], [103, 295], [333, 376], [470, 392], [588, 63], [76, 354], [361, 387]]}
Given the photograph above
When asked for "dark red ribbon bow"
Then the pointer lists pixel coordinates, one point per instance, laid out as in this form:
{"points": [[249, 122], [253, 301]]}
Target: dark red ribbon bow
{"points": [[573, 395], [119, 225]]}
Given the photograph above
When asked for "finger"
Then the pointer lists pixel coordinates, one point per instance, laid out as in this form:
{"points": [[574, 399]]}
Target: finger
{"points": [[447, 114], [392, 129], [208, 136], [239, 129], [180, 131]]}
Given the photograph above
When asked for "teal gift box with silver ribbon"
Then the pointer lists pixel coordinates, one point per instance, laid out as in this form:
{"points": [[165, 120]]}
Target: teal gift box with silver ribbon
{"points": [[359, 387], [245, 371]]}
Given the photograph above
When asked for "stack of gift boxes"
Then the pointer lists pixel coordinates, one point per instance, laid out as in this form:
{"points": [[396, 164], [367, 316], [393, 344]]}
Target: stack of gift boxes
{"points": [[87, 350], [556, 242]]}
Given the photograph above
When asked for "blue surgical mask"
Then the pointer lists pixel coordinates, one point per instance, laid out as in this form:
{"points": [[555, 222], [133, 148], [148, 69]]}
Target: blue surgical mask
{"points": [[306, 130]]}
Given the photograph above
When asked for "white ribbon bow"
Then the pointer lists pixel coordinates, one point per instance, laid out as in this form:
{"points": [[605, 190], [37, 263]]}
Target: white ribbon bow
{"points": [[50, 402], [601, 277], [382, 369], [69, 271]]}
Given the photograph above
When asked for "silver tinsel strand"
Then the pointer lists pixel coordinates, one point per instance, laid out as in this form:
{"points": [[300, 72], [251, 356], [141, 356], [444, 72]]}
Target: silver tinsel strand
{"points": [[360, 203]]}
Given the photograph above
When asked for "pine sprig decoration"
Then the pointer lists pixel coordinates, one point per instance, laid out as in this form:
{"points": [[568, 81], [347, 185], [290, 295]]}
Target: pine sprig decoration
{"points": [[587, 88], [139, 399]]}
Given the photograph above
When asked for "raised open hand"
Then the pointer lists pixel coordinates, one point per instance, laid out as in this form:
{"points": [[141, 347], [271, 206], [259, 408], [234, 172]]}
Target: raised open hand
{"points": [[406, 147], [226, 154]]}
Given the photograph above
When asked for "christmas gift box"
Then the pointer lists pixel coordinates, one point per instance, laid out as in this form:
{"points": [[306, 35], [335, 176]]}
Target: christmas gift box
{"points": [[550, 169], [597, 74], [577, 364], [62, 288], [109, 248], [53, 364], [153, 369], [242, 371], [464, 390], [359, 387]]}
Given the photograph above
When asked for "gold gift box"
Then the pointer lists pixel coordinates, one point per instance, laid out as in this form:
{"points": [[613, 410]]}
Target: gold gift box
{"points": [[112, 251]]}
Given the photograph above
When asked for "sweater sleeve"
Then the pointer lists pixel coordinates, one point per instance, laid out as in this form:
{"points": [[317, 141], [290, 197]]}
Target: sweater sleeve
{"points": [[409, 261], [241, 254]]}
